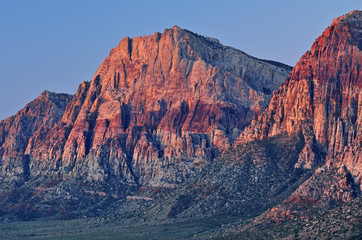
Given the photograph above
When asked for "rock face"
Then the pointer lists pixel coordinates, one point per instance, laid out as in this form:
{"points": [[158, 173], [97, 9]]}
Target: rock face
{"points": [[158, 108], [322, 98], [15, 132]]}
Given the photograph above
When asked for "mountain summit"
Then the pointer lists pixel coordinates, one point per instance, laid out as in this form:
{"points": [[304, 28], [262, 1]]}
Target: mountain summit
{"points": [[178, 126], [158, 108], [300, 160], [322, 96]]}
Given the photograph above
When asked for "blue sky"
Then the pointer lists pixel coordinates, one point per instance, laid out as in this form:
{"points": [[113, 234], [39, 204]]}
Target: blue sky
{"points": [[54, 45]]}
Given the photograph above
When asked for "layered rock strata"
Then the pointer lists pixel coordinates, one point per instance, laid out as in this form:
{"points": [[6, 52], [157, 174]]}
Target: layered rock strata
{"points": [[322, 97], [158, 108], [42, 113]]}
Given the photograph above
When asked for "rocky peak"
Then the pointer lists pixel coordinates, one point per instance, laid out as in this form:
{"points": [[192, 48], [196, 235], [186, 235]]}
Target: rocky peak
{"points": [[352, 18], [56, 98], [321, 97], [42, 113], [158, 108], [344, 30], [176, 44], [50, 95], [45, 111]]}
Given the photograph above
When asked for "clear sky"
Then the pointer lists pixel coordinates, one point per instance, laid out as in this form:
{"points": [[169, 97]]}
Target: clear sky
{"points": [[54, 45]]}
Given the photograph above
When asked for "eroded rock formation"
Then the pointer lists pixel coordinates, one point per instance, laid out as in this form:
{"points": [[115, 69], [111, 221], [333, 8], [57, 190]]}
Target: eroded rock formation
{"points": [[42, 113], [322, 97], [158, 108]]}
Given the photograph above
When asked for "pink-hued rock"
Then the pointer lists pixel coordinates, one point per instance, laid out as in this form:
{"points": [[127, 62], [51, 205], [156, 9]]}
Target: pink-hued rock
{"points": [[322, 97], [15, 132], [158, 108]]}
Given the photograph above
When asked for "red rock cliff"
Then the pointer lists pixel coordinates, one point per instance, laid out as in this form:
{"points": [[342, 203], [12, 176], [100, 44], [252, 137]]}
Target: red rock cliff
{"points": [[15, 132], [322, 97], [158, 108]]}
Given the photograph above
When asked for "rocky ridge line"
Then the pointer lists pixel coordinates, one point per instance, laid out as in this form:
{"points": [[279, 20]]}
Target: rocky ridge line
{"points": [[158, 108], [322, 97], [42, 113]]}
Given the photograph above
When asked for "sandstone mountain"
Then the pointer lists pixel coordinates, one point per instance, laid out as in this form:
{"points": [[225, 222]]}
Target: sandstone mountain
{"points": [[322, 97], [15, 132], [176, 127], [300, 158], [158, 108]]}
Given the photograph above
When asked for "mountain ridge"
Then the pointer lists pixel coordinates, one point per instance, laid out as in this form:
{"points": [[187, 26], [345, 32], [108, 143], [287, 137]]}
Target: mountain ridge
{"points": [[154, 100], [325, 77], [15, 131], [175, 127]]}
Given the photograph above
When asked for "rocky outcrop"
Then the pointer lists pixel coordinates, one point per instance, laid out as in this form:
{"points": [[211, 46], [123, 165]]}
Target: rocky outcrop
{"points": [[158, 108], [15, 132], [322, 98]]}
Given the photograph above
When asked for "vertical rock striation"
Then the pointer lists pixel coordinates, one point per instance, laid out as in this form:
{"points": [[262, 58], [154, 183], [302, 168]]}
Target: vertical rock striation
{"points": [[158, 108], [42, 113], [322, 97]]}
